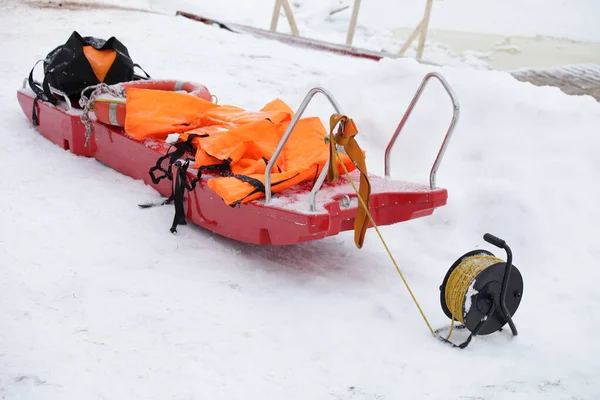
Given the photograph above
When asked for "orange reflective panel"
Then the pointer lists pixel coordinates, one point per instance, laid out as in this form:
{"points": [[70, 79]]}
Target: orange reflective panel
{"points": [[100, 60]]}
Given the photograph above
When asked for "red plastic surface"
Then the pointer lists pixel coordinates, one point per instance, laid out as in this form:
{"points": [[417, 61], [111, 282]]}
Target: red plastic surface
{"points": [[251, 222]]}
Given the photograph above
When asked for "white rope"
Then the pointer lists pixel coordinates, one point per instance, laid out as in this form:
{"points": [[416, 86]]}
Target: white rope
{"points": [[87, 103]]}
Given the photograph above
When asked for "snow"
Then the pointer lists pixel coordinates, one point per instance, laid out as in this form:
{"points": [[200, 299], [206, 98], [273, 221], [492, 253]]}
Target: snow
{"points": [[574, 19], [469, 296], [172, 138], [460, 31], [100, 301]]}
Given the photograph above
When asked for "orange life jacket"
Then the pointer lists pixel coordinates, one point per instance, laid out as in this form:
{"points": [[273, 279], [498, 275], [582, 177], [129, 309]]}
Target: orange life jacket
{"points": [[244, 138]]}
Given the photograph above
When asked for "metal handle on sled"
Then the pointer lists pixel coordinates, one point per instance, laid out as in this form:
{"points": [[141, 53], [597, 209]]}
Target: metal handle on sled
{"points": [[53, 90], [286, 135], [412, 104]]}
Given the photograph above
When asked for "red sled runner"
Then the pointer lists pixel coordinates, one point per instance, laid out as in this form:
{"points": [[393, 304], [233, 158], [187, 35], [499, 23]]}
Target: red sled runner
{"points": [[304, 212]]}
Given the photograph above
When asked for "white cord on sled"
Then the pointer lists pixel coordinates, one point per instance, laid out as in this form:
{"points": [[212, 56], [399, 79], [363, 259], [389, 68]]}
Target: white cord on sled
{"points": [[88, 103]]}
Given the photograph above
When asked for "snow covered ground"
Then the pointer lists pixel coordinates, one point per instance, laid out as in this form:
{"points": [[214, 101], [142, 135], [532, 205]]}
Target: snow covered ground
{"points": [[494, 34], [100, 301]]}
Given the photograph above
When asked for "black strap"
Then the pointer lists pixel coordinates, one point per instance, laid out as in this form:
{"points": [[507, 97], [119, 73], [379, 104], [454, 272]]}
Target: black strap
{"points": [[181, 184], [150, 205], [139, 77], [223, 168], [180, 149], [158, 167], [180, 181], [38, 90], [266, 160], [41, 93], [258, 186], [179, 187], [34, 114]]}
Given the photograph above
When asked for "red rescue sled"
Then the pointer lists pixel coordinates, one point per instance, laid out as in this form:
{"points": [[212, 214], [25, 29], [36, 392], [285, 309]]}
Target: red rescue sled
{"points": [[299, 214]]}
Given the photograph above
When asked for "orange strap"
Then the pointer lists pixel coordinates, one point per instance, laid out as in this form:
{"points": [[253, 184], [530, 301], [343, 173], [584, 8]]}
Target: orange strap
{"points": [[345, 137]]}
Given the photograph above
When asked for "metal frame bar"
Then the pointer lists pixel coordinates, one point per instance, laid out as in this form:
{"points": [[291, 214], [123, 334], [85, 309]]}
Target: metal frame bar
{"points": [[53, 90], [442, 151], [285, 137]]}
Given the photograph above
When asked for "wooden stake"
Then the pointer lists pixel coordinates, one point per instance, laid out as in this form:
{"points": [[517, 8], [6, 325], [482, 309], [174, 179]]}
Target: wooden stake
{"points": [[421, 31], [275, 18], [424, 28], [353, 20], [290, 16], [411, 38]]}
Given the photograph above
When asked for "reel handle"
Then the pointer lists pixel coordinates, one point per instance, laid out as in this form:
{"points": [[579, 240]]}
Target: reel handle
{"points": [[496, 241]]}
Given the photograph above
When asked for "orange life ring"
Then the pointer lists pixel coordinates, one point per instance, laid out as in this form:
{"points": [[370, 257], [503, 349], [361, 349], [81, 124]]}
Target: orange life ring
{"points": [[112, 111]]}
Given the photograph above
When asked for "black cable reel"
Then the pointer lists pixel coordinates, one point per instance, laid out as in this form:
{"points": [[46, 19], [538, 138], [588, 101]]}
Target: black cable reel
{"points": [[482, 292]]}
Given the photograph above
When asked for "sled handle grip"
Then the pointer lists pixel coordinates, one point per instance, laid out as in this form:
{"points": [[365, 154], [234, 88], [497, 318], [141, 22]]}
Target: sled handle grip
{"points": [[53, 90], [442, 151], [307, 99]]}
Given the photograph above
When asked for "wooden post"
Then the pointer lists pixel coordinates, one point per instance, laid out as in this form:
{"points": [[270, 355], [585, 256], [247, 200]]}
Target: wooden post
{"points": [[353, 19], [424, 28], [275, 18], [421, 31], [411, 38], [288, 13], [290, 16]]}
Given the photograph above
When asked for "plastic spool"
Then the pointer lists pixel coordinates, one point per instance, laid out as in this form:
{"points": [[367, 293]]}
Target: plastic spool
{"points": [[482, 292]]}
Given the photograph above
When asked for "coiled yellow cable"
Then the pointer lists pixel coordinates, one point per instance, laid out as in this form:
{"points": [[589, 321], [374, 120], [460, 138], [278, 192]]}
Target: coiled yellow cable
{"points": [[461, 280]]}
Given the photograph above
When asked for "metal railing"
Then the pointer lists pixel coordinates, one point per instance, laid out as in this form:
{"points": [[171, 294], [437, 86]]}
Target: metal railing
{"points": [[407, 113], [53, 90], [319, 183], [286, 135]]}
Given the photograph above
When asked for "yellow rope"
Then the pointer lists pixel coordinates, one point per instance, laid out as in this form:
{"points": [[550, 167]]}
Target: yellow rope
{"points": [[460, 281], [384, 243], [451, 329]]}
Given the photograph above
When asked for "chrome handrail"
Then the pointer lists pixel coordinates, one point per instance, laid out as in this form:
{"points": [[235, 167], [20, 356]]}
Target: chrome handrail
{"points": [[284, 138], [412, 104], [53, 90]]}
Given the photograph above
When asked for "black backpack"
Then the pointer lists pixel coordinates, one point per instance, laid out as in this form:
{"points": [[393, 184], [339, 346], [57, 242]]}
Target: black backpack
{"points": [[80, 63]]}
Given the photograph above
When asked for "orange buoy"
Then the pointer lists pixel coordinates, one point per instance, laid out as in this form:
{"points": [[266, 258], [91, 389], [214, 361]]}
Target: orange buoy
{"points": [[112, 110]]}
